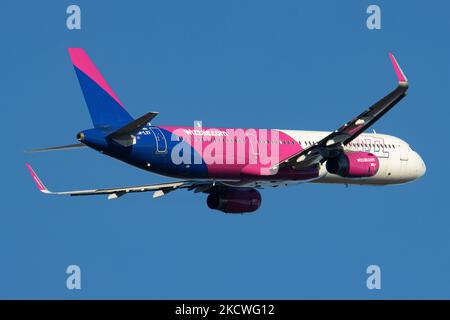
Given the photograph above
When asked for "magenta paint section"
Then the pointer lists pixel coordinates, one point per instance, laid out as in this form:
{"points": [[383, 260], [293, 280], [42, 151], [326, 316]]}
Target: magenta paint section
{"points": [[362, 164], [240, 153], [81, 60]]}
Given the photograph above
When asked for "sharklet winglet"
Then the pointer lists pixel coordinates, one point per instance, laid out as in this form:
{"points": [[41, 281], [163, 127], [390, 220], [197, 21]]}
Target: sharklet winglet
{"points": [[398, 71], [38, 181]]}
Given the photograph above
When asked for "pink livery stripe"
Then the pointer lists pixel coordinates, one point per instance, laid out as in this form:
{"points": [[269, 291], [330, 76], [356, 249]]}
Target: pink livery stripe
{"points": [[81, 60]]}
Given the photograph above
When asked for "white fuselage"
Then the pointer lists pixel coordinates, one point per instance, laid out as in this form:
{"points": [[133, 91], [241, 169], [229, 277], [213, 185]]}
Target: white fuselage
{"points": [[398, 162]]}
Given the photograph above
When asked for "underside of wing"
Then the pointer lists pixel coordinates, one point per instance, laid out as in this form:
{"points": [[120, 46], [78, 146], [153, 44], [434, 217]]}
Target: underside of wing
{"points": [[333, 143], [113, 193]]}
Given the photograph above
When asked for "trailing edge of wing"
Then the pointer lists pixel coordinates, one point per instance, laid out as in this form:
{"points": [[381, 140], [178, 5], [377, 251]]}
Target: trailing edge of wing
{"points": [[113, 193]]}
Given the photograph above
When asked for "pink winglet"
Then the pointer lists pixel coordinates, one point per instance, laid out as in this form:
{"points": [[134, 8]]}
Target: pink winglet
{"points": [[400, 75], [36, 179], [81, 60]]}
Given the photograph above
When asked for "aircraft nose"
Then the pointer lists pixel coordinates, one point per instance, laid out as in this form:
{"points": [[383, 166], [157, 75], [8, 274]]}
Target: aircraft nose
{"points": [[420, 166]]}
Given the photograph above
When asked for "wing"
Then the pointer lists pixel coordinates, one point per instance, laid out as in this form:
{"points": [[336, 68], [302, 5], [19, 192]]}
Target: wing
{"points": [[333, 143], [113, 193]]}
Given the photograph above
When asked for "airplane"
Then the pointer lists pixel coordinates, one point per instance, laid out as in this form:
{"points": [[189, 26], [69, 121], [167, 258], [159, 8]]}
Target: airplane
{"points": [[232, 165]]}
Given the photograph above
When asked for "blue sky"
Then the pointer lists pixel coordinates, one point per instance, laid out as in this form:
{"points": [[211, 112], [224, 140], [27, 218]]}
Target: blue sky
{"points": [[266, 64]]}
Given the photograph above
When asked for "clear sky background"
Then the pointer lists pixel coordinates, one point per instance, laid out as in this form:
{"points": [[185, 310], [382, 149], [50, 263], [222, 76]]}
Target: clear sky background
{"points": [[266, 64]]}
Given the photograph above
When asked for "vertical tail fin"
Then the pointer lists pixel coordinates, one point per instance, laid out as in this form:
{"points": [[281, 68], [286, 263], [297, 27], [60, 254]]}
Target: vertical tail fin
{"points": [[104, 106]]}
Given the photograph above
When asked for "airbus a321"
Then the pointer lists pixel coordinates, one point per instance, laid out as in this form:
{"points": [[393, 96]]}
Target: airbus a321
{"points": [[232, 165]]}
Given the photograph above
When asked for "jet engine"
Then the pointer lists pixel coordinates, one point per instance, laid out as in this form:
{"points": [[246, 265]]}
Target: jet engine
{"points": [[354, 165], [231, 200]]}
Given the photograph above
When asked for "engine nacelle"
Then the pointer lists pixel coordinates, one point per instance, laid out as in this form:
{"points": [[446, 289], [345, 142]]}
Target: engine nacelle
{"points": [[354, 165], [234, 200]]}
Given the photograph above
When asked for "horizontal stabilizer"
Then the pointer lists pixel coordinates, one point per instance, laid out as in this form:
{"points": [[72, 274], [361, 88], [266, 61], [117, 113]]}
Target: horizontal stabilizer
{"points": [[126, 135], [59, 148]]}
